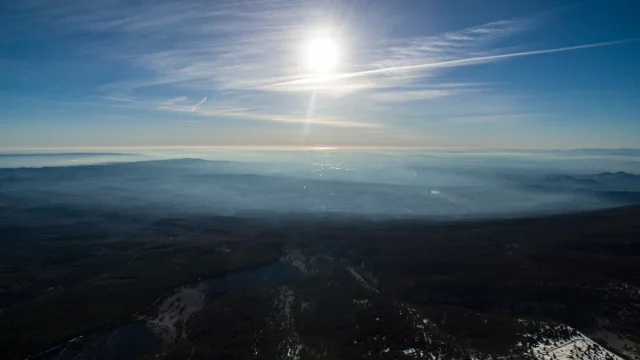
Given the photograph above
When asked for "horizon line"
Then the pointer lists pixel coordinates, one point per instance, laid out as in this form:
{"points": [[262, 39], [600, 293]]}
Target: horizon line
{"points": [[300, 147]]}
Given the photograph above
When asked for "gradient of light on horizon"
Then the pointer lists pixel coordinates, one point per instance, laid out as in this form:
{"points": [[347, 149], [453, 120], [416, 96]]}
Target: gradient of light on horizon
{"points": [[487, 74]]}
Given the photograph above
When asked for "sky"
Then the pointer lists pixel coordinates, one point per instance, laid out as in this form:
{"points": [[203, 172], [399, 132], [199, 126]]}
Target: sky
{"points": [[435, 74]]}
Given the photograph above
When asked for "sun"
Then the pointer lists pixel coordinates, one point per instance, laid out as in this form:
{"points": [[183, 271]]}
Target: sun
{"points": [[322, 55]]}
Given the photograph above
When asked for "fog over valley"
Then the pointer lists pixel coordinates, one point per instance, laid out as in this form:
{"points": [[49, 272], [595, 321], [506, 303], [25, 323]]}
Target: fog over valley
{"points": [[373, 183]]}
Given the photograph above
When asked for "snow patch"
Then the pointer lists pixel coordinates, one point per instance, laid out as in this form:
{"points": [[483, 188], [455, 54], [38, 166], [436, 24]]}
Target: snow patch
{"points": [[414, 353], [572, 345], [361, 280], [291, 347], [578, 347], [283, 302], [419, 324], [175, 310], [295, 258]]}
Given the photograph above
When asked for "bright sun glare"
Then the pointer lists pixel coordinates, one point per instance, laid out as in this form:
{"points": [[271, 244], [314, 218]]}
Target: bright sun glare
{"points": [[322, 55]]}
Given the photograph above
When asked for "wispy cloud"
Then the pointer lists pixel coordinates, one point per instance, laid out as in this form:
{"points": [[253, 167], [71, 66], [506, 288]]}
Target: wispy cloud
{"points": [[322, 120], [175, 100], [494, 118], [261, 50], [177, 105], [444, 64], [426, 92], [248, 57], [378, 71], [121, 99]]}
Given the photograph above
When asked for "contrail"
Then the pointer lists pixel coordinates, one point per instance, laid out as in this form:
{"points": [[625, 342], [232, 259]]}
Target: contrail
{"points": [[469, 61], [196, 106]]}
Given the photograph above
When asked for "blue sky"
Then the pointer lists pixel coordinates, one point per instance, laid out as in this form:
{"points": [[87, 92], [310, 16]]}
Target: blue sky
{"points": [[461, 74]]}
